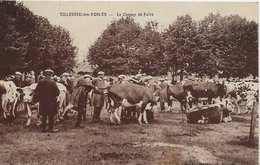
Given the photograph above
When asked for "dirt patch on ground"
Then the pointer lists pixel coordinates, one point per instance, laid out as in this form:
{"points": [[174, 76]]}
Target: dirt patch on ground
{"points": [[169, 140]]}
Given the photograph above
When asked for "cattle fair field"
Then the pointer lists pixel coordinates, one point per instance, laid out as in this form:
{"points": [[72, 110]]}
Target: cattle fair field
{"points": [[168, 140]]}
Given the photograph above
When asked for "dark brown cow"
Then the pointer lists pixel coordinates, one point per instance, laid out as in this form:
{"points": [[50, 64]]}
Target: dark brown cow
{"points": [[127, 95], [205, 90], [177, 92]]}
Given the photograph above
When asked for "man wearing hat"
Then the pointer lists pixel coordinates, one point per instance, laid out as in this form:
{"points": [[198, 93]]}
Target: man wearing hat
{"points": [[163, 84], [138, 80], [47, 92], [17, 79], [121, 79], [80, 97], [153, 86], [28, 80], [98, 99]]}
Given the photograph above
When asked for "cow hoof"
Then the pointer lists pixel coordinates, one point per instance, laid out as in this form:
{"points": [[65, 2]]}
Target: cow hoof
{"points": [[27, 124], [38, 124], [4, 116]]}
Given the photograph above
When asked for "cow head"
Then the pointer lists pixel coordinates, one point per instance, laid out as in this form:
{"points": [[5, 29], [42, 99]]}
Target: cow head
{"points": [[2, 90], [228, 105], [26, 94]]}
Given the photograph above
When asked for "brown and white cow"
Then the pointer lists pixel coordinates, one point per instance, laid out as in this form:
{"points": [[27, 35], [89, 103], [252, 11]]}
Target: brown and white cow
{"points": [[214, 113], [126, 95], [9, 98]]}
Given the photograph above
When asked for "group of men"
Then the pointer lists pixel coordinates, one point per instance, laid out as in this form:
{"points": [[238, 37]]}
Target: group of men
{"points": [[47, 92]]}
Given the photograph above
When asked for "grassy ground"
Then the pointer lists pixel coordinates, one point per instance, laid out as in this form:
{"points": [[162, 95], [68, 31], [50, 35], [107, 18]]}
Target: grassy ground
{"points": [[169, 140]]}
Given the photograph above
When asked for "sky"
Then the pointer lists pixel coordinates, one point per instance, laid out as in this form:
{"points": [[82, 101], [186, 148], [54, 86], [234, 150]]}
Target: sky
{"points": [[87, 28]]}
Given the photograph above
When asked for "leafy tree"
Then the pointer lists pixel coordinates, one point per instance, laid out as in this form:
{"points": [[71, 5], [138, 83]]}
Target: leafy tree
{"points": [[114, 50], [179, 43], [15, 28], [150, 50], [30, 42]]}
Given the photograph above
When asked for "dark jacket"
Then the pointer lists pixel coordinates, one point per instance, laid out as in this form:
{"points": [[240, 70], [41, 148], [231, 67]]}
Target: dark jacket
{"points": [[17, 82], [79, 95], [47, 92]]}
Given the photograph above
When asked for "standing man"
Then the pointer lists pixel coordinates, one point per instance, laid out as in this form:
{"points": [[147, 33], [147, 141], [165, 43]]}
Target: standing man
{"points": [[47, 92], [79, 98], [98, 99], [17, 79]]}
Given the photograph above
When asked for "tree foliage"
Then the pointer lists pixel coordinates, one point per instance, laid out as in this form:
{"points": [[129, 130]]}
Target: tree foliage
{"points": [[227, 46], [30, 42]]}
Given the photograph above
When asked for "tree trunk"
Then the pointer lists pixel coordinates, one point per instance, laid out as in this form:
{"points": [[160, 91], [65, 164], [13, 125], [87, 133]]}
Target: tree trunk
{"points": [[173, 80]]}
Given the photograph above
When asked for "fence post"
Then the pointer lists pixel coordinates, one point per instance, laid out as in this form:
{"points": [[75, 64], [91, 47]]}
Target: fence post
{"points": [[253, 124]]}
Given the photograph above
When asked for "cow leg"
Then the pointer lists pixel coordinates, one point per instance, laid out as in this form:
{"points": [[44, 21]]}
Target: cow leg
{"points": [[84, 114], [68, 107], [39, 121], [209, 100], [29, 113], [117, 113], [142, 109], [145, 117], [15, 106], [140, 118], [238, 107], [4, 106], [183, 104]]}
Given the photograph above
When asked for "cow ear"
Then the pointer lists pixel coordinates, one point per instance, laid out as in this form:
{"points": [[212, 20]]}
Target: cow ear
{"points": [[19, 90]]}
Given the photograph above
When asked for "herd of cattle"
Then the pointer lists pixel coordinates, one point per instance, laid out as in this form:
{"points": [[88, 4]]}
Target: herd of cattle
{"points": [[203, 102]]}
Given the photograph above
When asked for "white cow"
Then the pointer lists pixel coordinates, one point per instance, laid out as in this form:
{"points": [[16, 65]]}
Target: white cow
{"points": [[9, 98], [27, 97]]}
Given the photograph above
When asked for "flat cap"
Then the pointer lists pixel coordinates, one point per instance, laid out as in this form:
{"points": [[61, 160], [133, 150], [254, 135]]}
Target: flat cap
{"points": [[81, 73], [149, 77], [121, 76], [161, 79], [49, 71], [18, 73], [65, 74], [138, 76], [101, 73], [88, 76], [29, 75]]}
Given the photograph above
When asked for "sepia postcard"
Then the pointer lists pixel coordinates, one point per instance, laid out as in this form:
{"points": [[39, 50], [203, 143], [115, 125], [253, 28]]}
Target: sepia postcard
{"points": [[129, 82]]}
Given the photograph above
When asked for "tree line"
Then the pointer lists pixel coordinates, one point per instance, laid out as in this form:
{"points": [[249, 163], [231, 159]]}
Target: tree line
{"points": [[30, 42], [223, 45]]}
